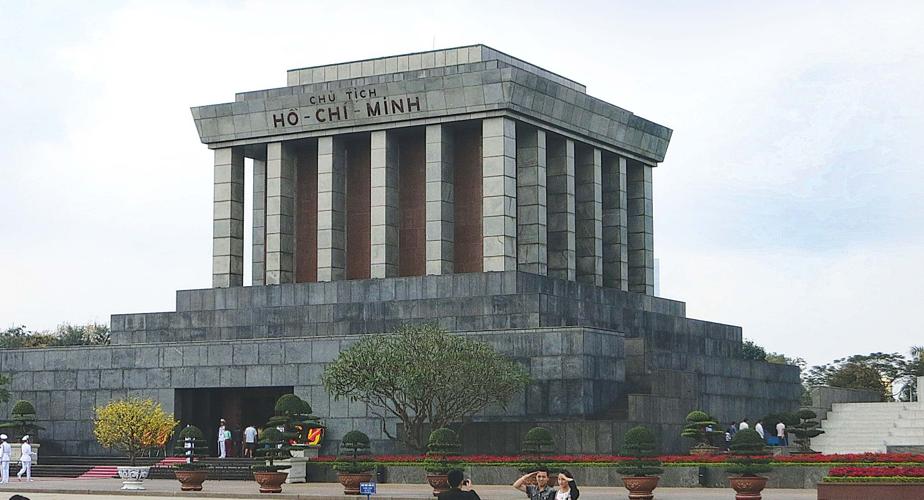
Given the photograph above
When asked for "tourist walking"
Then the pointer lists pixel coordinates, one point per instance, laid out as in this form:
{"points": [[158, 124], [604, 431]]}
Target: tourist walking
{"points": [[744, 425], [538, 491], [222, 437], [250, 440], [781, 433], [25, 460], [5, 451], [760, 429]]}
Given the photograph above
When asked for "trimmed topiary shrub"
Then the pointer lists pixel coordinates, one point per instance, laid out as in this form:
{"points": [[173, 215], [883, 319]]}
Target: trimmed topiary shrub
{"points": [[293, 414], [354, 454], [538, 441], [639, 443], [191, 444], [22, 408], [695, 429], [805, 430], [748, 454], [442, 443], [274, 448]]}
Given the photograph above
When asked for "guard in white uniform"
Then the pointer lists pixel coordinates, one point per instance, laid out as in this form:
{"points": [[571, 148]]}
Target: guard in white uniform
{"points": [[221, 439], [5, 451], [26, 460]]}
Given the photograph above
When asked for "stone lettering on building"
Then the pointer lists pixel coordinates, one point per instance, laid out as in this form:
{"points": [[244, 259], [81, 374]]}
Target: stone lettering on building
{"points": [[351, 104]]}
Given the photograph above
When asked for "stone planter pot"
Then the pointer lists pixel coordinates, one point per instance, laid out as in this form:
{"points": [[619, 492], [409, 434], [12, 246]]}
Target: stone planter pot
{"points": [[640, 487], [439, 482], [350, 481], [270, 482], [132, 477], [851, 491], [191, 480], [748, 487]]}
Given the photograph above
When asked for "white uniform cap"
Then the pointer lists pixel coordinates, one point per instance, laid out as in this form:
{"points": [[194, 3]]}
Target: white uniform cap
{"points": [[25, 438], [3, 437]]}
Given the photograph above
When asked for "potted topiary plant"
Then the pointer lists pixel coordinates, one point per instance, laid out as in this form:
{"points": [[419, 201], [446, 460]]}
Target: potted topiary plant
{"points": [[353, 467], [441, 444], [749, 457], [268, 475], [804, 431], [641, 471], [132, 426], [293, 417], [537, 442], [700, 427], [191, 444]]}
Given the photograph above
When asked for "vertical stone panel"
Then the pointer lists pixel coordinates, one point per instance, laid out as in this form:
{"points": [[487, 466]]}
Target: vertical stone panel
{"points": [[640, 227], [358, 209], [439, 200], [331, 210], [467, 201], [561, 223], [412, 225], [499, 184], [615, 218], [532, 236], [588, 197], [384, 204], [228, 219], [258, 256], [280, 213], [306, 213]]}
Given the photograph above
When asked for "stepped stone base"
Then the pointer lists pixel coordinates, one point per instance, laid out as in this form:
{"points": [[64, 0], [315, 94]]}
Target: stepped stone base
{"points": [[600, 359]]}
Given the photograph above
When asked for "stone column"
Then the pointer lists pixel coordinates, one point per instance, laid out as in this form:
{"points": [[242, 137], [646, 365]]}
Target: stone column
{"points": [[561, 224], [440, 216], [228, 219], [280, 213], [331, 210], [499, 184], [615, 231], [532, 244], [588, 198], [384, 199], [641, 227], [259, 222]]}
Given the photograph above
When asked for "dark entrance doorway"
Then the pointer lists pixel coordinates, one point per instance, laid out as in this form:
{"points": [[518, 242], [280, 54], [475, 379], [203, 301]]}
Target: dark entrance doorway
{"points": [[239, 406]]}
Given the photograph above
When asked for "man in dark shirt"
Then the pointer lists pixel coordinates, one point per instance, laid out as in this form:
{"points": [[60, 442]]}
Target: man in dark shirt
{"points": [[539, 491], [456, 483]]}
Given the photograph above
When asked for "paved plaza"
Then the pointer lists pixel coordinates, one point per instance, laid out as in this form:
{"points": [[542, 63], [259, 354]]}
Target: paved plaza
{"points": [[54, 489]]}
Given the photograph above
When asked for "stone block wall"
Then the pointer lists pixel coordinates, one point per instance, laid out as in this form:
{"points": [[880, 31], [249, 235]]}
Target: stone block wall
{"points": [[575, 371]]}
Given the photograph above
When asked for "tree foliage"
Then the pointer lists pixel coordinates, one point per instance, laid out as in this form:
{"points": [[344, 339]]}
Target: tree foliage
{"points": [[805, 429], [20, 337], [696, 428], [132, 426], [423, 376], [748, 454], [752, 351], [354, 454], [887, 373]]}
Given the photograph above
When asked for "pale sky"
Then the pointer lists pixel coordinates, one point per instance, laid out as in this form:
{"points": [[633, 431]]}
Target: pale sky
{"points": [[790, 201]]}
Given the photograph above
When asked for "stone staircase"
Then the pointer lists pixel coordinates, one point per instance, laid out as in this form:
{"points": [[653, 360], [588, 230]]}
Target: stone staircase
{"points": [[871, 427]]}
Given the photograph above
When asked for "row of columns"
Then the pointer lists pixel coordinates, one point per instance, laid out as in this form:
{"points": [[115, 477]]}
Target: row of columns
{"points": [[550, 206]]}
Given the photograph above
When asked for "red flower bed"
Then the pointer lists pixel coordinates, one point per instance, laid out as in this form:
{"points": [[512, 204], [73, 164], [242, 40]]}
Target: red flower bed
{"points": [[876, 472], [854, 458]]}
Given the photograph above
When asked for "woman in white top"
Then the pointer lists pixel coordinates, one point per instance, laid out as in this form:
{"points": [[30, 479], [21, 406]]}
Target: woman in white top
{"points": [[567, 489]]}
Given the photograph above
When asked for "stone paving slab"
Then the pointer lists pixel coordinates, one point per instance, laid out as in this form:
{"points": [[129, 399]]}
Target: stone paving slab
{"points": [[66, 489]]}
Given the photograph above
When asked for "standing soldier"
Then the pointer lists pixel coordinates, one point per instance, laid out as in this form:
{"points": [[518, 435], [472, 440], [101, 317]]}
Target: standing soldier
{"points": [[221, 439], [5, 451], [25, 460]]}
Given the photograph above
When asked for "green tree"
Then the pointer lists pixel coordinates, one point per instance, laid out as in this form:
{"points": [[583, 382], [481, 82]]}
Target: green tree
{"points": [[752, 351], [423, 376]]}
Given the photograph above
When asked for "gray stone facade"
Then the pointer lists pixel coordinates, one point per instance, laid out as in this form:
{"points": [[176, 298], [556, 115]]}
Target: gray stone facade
{"points": [[554, 188]]}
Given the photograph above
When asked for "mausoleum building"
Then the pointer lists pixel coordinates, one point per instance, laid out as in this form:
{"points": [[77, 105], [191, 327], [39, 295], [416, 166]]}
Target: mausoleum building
{"points": [[463, 187]]}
